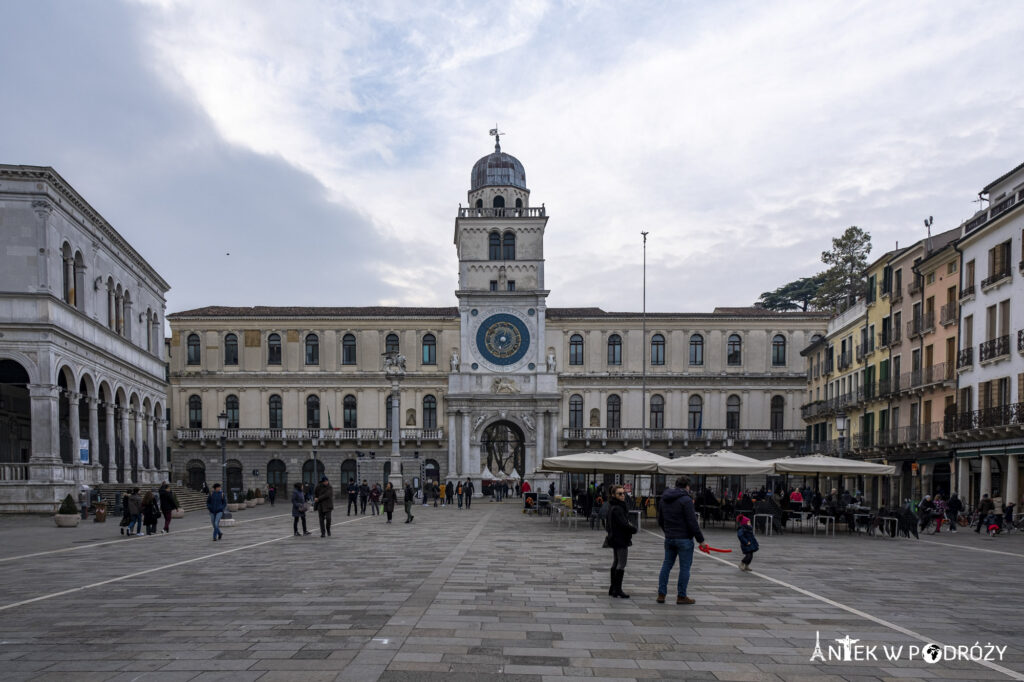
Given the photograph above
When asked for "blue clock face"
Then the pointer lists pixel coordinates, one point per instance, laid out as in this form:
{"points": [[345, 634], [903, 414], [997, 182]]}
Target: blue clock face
{"points": [[503, 339]]}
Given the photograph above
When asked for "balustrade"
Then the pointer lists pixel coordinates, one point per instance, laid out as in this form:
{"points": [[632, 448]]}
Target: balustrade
{"points": [[994, 348]]}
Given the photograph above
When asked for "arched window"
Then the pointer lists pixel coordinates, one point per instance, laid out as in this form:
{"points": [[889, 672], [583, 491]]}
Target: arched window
{"points": [[479, 203], [313, 412], [732, 414], [67, 269], [657, 349], [696, 349], [195, 412], [231, 409], [277, 475], [429, 412], [230, 349], [519, 203], [508, 246], [274, 349], [576, 349], [275, 412], [391, 343], [576, 412], [614, 412], [734, 350], [614, 349], [778, 412], [499, 201], [778, 350], [79, 281], [348, 349], [695, 417], [348, 412], [429, 350], [193, 349], [657, 412], [494, 246], [312, 349]]}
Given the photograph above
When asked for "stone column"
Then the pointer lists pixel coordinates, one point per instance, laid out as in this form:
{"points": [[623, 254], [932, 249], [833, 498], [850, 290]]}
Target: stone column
{"points": [[111, 444], [151, 442], [111, 310], [540, 450], [137, 417], [464, 445], [94, 430], [396, 434], [44, 461], [69, 276], [552, 432], [986, 476], [126, 442], [963, 480], [452, 465], [1012, 474], [75, 427], [43, 209]]}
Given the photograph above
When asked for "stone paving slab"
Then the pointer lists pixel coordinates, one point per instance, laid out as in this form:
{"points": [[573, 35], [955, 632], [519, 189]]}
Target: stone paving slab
{"points": [[489, 592]]}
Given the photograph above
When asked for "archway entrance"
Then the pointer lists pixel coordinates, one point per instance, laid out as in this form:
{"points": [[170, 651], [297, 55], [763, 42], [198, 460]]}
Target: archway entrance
{"points": [[15, 414], [348, 470], [941, 479], [196, 474], [504, 449], [431, 471], [235, 491], [277, 475], [308, 476]]}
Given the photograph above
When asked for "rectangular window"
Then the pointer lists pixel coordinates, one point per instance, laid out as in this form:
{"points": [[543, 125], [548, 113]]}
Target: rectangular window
{"points": [[969, 274], [968, 331], [951, 268], [494, 285], [1004, 317], [930, 279], [511, 285]]}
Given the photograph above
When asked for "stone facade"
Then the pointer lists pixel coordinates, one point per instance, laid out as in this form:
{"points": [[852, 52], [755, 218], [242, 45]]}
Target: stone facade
{"points": [[81, 343]]}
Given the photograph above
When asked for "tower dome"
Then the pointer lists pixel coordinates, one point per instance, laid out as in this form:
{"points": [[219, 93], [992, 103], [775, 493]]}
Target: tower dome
{"points": [[497, 169]]}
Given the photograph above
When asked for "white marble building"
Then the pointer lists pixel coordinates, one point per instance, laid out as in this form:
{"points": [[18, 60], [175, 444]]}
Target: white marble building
{"points": [[497, 383], [82, 378]]}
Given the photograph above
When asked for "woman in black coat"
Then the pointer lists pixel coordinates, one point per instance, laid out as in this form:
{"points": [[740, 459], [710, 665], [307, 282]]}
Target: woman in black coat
{"points": [[390, 500], [299, 510], [620, 537]]}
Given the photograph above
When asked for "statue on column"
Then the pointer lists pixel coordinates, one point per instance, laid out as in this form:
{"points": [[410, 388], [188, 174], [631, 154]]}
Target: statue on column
{"points": [[552, 365], [455, 361]]}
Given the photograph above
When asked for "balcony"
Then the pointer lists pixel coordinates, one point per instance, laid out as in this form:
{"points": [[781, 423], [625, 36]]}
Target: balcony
{"points": [[949, 313], [967, 292], [897, 336], [828, 447], [300, 436], [505, 212], [860, 354], [981, 423], [845, 360], [965, 359], [925, 377], [829, 367], [1020, 340], [996, 278], [670, 436], [914, 287], [921, 325], [995, 349], [897, 294], [884, 338]]}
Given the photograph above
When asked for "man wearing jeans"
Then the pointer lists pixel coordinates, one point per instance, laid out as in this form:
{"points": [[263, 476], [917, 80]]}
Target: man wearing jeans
{"points": [[678, 519], [216, 504]]}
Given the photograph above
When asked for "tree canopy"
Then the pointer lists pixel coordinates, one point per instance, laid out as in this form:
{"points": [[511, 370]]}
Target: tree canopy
{"points": [[797, 295]]}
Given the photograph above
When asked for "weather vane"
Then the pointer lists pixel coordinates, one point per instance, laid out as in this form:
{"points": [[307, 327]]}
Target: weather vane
{"points": [[496, 134]]}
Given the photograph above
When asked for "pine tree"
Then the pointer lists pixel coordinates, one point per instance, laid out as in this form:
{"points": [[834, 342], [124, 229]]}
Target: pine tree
{"points": [[843, 283]]}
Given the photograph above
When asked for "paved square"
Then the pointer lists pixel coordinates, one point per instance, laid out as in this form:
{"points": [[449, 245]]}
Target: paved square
{"points": [[486, 593]]}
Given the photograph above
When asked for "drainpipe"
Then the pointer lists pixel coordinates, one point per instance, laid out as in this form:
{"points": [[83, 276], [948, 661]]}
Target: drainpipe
{"points": [[964, 494], [920, 347]]}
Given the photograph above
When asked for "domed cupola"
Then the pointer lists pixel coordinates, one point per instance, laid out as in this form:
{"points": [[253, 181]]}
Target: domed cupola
{"points": [[497, 170]]}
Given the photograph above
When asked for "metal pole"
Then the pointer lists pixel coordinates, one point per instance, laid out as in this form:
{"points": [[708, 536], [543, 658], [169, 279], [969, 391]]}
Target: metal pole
{"points": [[643, 356]]}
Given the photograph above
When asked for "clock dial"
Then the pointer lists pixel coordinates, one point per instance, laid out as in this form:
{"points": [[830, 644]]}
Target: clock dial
{"points": [[502, 339]]}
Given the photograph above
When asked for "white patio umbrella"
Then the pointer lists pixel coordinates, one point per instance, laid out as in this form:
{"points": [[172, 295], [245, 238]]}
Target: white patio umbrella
{"points": [[632, 461], [720, 463], [823, 464]]}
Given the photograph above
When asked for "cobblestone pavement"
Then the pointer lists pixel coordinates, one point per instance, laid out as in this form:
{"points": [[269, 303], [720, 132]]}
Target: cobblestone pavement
{"points": [[489, 592]]}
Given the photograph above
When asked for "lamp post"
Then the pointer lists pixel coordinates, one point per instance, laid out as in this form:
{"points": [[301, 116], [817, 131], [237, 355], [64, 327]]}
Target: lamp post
{"points": [[841, 423], [643, 356], [222, 422], [316, 442]]}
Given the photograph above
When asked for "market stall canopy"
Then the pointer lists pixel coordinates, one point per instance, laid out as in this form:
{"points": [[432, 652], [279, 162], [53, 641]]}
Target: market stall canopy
{"points": [[486, 475], [514, 475], [722, 462], [632, 461], [822, 464]]}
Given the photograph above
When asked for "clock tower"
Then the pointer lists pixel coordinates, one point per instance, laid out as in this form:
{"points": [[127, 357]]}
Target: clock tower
{"points": [[503, 398]]}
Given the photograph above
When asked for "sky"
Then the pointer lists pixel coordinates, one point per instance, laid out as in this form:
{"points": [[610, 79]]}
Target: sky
{"points": [[315, 153]]}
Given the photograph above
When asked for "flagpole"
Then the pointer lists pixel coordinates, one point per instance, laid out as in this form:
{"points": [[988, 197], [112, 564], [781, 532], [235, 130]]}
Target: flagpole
{"points": [[643, 355]]}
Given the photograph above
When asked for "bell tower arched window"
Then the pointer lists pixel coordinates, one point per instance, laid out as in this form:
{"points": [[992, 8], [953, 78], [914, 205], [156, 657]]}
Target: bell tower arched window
{"points": [[657, 349], [313, 412], [657, 412], [349, 413], [732, 414], [778, 412], [494, 246], [696, 350], [274, 349], [508, 246], [391, 343], [499, 201]]}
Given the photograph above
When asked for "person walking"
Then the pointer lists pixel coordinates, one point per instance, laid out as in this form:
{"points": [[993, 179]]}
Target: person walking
{"points": [[216, 503], [135, 512], [409, 497], [126, 515], [150, 512], [435, 491], [449, 491], [619, 538], [390, 500], [953, 509], [299, 510], [272, 493], [375, 492], [352, 493], [985, 507], [467, 490], [748, 543], [364, 496], [324, 496], [678, 519], [167, 505], [460, 492], [442, 493]]}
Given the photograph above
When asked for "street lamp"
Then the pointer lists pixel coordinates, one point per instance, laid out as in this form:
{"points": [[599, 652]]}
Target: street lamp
{"points": [[222, 422], [316, 442], [842, 421]]}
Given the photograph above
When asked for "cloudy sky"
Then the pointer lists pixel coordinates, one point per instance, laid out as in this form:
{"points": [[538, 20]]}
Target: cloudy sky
{"points": [[326, 146]]}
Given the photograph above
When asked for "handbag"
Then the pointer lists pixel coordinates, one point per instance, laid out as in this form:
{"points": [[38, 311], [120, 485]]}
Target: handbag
{"points": [[304, 507]]}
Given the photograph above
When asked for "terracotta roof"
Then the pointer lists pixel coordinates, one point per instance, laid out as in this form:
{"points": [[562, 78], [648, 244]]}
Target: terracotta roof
{"points": [[453, 313]]}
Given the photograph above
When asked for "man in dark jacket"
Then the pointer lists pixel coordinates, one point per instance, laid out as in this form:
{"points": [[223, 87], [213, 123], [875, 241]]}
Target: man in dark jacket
{"points": [[324, 496], [353, 496], [467, 490], [985, 507], [216, 503], [364, 496], [678, 519], [167, 505], [409, 497]]}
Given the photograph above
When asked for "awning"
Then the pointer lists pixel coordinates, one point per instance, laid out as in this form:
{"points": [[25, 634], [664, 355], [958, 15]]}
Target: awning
{"points": [[632, 461], [722, 462], [822, 464]]}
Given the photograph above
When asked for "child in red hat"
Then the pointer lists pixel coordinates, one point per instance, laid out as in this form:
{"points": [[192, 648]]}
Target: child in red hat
{"points": [[748, 543]]}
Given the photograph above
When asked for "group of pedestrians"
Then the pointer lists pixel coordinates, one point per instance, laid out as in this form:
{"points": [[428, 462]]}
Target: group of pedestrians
{"points": [[140, 510], [448, 493]]}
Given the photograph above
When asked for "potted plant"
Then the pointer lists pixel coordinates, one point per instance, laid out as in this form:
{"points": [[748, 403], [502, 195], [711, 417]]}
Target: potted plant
{"points": [[67, 515], [259, 496], [234, 505], [250, 498]]}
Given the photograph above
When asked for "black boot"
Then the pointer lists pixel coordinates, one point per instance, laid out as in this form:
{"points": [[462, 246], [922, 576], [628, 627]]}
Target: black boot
{"points": [[618, 585], [612, 592]]}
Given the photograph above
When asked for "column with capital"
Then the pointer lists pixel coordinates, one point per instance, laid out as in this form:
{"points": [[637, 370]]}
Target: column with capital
{"points": [[1012, 490], [140, 474], [963, 485], [452, 465], [74, 426], [108, 410], [44, 461], [539, 456], [552, 433], [69, 277], [151, 444], [396, 476], [986, 476], [126, 445], [464, 445], [94, 440], [43, 210]]}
